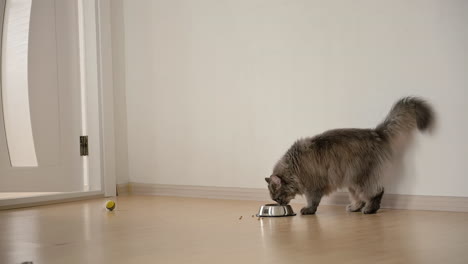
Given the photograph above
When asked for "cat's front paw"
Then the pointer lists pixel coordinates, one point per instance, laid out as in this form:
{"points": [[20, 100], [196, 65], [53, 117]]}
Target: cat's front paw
{"points": [[354, 207], [308, 210], [370, 210]]}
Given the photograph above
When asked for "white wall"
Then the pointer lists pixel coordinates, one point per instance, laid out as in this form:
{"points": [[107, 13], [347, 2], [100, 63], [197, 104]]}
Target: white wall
{"points": [[217, 90]]}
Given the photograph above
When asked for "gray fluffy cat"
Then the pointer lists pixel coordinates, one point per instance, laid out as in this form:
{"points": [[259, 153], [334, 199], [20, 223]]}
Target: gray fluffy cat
{"points": [[352, 158]]}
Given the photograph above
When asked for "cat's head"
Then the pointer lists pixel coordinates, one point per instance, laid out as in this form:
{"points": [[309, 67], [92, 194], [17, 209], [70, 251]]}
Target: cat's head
{"points": [[280, 191]]}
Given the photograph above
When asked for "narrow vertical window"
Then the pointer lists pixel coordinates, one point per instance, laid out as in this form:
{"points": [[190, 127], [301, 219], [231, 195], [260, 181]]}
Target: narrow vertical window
{"points": [[15, 93]]}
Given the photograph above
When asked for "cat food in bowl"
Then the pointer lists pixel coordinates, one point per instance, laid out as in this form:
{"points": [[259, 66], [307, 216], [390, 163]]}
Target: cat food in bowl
{"points": [[275, 210]]}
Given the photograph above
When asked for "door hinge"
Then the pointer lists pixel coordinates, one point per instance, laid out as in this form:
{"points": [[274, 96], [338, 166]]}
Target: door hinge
{"points": [[83, 145]]}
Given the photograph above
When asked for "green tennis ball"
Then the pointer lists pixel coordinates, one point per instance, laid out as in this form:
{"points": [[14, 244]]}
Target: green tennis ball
{"points": [[110, 205]]}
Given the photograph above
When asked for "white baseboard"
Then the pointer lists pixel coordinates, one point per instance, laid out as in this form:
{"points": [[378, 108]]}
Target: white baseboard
{"points": [[392, 201], [123, 189]]}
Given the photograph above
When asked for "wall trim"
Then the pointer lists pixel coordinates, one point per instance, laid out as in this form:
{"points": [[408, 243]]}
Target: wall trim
{"points": [[390, 201], [123, 189]]}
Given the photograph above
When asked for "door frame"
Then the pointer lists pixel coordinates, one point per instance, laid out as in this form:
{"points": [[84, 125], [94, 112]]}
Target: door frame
{"points": [[99, 82], [106, 89]]}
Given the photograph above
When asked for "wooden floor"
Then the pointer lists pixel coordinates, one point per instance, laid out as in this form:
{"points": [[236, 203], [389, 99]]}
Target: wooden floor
{"points": [[149, 229]]}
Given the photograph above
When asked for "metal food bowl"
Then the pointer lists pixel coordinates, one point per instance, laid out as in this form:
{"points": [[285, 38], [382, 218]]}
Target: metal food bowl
{"points": [[275, 210]]}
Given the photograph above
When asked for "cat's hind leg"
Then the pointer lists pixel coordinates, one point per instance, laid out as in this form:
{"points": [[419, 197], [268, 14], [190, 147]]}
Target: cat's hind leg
{"points": [[356, 203]]}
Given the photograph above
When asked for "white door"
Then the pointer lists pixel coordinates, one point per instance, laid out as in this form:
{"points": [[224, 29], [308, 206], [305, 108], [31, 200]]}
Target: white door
{"points": [[41, 113]]}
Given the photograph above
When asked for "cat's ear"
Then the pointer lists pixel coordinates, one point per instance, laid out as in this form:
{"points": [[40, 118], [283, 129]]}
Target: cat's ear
{"points": [[267, 180], [275, 180]]}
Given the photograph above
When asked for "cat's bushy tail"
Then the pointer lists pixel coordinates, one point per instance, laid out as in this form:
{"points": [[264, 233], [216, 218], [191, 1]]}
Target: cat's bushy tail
{"points": [[406, 115]]}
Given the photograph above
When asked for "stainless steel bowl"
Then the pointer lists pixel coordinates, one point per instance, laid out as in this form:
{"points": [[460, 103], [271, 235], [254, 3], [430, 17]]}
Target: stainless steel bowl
{"points": [[275, 210]]}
